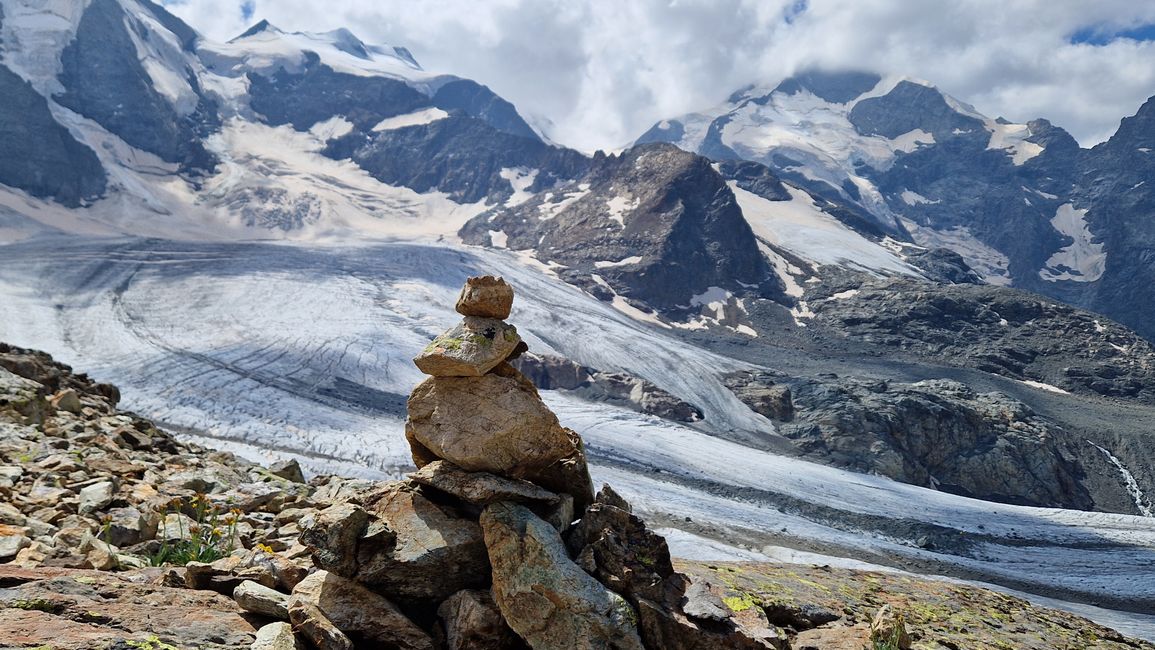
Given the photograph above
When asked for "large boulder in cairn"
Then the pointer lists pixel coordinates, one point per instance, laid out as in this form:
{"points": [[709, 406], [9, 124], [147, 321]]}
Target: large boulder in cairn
{"points": [[399, 543], [495, 423], [470, 620], [485, 297], [614, 545], [546, 598], [470, 349], [359, 613]]}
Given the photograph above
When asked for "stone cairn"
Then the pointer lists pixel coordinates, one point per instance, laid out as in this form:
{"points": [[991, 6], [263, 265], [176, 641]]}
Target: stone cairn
{"points": [[497, 541]]}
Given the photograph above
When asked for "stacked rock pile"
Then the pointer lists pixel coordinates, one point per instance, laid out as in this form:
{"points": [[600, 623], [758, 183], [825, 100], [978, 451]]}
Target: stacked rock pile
{"points": [[498, 541]]}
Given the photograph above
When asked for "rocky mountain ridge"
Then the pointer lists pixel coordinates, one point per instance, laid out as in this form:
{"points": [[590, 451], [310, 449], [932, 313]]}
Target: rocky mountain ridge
{"points": [[1023, 203]]}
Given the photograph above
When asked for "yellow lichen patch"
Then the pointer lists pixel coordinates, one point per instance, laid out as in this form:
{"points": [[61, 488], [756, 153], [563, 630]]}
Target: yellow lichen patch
{"points": [[740, 603]]}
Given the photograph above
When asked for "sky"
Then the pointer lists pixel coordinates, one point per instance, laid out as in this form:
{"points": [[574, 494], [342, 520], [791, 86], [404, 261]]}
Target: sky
{"points": [[598, 73]]}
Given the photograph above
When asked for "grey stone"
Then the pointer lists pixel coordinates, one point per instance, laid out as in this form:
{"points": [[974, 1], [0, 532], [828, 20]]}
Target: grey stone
{"points": [[358, 611], [259, 599], [275, 636], [11, 545], [480, 488], [546, 598]]}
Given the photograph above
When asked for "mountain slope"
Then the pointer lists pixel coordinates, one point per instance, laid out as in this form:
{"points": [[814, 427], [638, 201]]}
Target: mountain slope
{"points": [[1022, 203]]}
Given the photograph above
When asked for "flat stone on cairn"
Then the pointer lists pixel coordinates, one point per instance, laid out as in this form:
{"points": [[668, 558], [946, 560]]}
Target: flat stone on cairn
{"points": [[470, 349]]}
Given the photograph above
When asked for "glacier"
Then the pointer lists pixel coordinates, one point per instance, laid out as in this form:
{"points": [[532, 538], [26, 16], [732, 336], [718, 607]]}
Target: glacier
{"points": [[276, 350]]}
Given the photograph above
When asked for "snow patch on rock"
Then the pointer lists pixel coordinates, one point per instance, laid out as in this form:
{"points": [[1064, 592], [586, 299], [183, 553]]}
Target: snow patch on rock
{"points": [[1084, 260], [416, 118]]}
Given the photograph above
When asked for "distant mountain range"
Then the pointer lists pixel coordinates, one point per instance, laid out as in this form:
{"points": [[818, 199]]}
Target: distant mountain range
{"points": [[834, 214], [1022, 203]]}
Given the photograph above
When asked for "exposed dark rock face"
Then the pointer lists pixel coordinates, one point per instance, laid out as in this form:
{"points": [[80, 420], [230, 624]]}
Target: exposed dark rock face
{"points": [[655, 224], [1116, 186], [837, 87], [187, 35], [318, 93], [105, 81], [939, 434], [621, 389], [908, 107], [755, 178], [475, 100], [459, 155], [944, 266], [40, 156], [1002, 331]]}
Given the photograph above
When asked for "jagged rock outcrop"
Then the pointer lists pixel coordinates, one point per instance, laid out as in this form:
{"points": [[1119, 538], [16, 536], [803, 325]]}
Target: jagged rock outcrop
{"points": [[617, 388], [655, 224], [935, 433], [1007, 332]]}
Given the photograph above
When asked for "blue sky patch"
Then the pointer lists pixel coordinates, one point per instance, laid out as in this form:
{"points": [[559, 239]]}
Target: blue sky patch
{"points": [[1100, 35], [795, 10], [247, 8]]}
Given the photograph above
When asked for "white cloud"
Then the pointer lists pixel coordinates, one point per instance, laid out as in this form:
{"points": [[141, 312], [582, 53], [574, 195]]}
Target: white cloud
{"points": [[602, 71]]}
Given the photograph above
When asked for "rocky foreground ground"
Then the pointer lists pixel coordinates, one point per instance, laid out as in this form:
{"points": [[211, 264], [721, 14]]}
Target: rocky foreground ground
{"points": [[115, 535]]}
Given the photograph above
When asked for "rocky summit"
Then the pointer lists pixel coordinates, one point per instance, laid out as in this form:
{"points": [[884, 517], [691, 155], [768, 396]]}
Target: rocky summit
{"points": [[114, 534]]}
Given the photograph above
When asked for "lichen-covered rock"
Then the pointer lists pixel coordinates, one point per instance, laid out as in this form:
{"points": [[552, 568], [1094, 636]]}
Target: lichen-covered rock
{"points": [[546, 598], [485, 296], [615, 546], [491, 423], [358, 612], [399, 543], [470, 349]]}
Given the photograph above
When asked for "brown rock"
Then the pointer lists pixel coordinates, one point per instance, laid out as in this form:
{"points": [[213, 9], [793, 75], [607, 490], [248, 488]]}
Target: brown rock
{"points": [[358, 612], [470, 620], [570, 475], [80, 610], [672, 630], [66, 400], [310, 622], [485, 296], [480, 488], [470, 349], [546, 598], [834, 638], [486, 424]]}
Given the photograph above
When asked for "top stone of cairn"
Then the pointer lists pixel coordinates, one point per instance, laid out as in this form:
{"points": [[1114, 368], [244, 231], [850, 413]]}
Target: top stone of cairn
{"points": [[486, 297]]}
